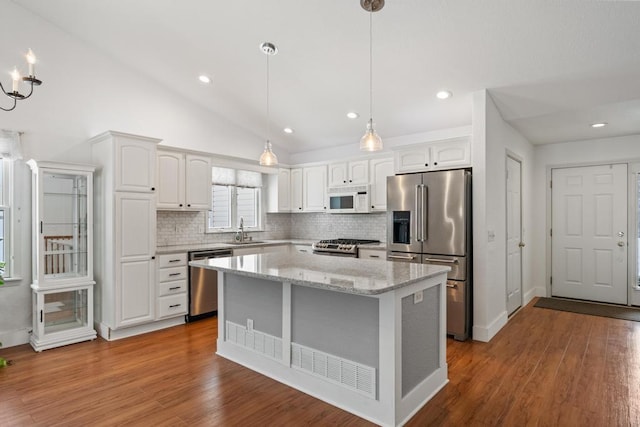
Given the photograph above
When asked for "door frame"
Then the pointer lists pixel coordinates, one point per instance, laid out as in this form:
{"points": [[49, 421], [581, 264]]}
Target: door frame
{"points": [[513, 156], [631, 248], [633, 297]]}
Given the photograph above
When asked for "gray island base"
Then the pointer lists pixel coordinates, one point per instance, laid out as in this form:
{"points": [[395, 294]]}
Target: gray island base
{"points": [[366, 336]]}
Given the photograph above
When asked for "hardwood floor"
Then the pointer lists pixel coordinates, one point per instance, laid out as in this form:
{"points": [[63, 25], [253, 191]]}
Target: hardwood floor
{"points": [[544, 368]]}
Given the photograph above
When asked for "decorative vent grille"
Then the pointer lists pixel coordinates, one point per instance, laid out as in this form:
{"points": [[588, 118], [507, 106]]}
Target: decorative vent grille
{"points": [[349, 374], [254, 340]]}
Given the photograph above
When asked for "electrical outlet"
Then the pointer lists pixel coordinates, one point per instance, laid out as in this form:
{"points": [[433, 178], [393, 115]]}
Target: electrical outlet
{"points": [[418, 297], [249, 324]]}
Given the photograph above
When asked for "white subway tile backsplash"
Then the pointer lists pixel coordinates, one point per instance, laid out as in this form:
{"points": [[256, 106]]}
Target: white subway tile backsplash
{"points": [[184, 228]]}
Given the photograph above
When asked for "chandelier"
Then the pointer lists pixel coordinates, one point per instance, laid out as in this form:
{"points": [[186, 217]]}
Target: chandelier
{"points": [[15, 87]]}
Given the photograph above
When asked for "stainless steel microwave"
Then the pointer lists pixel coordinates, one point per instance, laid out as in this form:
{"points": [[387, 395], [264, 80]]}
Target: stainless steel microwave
{"points": [[354, 199]]}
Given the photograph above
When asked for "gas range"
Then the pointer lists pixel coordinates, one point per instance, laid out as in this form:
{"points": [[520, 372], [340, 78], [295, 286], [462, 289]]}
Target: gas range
{"points": [[340, 247]]}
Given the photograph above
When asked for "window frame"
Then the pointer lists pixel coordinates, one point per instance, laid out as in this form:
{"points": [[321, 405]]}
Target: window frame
{"points": [[6, 201], [233, 201]]}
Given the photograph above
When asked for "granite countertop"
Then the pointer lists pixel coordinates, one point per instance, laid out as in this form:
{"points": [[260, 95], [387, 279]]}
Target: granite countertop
{"points": [[160, 250], [343, 274]]}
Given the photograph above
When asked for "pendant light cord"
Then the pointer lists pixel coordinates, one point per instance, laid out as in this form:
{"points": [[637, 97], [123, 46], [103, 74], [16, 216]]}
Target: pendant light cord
{"points": [[268, 113], [371, 65]]}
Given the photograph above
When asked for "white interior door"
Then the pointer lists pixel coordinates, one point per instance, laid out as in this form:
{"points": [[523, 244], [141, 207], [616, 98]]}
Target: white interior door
{"points": [[589, 233], [514, 234]]}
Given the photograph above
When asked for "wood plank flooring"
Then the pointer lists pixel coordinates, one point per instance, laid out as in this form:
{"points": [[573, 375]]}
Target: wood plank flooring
{"points": [[545, 368]]}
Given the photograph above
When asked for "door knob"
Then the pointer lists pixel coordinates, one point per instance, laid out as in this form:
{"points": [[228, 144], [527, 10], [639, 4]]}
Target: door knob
{"points": [[621, 244], [521, 244]]}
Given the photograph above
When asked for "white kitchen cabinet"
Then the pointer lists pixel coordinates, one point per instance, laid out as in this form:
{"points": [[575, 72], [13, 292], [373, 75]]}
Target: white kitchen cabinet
{"points": [[62, 213], [184, 181], [135, 231], [447, 154], [172, 285], [374, 254], [279, 191], [380, 169], [135, 164], [296, 190], [348, 173], [309, 189], [314, 188], [125, 238]]}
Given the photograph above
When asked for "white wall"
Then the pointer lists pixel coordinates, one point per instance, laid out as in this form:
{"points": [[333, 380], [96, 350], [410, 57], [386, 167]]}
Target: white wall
{"points": [[596, 151], [493, 139]]}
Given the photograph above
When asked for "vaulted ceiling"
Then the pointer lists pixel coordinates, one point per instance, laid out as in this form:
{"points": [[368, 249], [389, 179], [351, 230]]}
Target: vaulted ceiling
{"points": [[552, 67]]}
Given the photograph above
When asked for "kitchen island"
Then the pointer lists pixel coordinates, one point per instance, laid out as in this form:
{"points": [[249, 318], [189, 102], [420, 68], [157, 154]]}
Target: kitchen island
{"points": [[366, 336]]}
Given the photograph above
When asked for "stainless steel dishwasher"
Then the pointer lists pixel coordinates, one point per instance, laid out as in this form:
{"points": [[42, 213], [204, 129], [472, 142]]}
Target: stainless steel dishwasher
{"points": [[203, 285]]}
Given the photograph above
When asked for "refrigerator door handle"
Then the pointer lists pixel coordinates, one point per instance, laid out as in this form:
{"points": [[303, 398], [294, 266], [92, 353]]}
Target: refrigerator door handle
{"points": [[418, 211], [408, 258], [444, 261], [425, 211]]}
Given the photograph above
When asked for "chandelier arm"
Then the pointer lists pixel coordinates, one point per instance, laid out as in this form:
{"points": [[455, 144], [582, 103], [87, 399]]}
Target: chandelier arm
{"points": [[30, 92], [15, 101]]}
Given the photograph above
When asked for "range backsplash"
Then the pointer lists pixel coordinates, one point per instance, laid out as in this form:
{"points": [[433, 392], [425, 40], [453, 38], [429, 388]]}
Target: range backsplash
{"points": [[185, 228]]}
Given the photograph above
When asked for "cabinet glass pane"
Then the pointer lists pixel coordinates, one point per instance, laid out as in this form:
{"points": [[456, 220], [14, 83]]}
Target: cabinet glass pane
{"points": [[64, 225], [65, 310]]}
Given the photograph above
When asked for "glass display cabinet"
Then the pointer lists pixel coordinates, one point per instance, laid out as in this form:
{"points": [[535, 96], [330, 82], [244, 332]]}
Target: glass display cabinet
{"points": [[62, 254]]}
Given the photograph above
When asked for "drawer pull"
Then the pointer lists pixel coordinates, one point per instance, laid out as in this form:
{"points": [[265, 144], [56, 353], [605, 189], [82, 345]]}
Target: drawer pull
{"points": [[174, 305], [175, 288], [174, 260], [408, 258], [444, 261], [374, 256], [175, 274]]}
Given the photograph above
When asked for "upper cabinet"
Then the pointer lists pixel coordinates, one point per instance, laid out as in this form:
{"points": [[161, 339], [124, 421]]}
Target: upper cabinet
{"points": [[314, 188], [279, 191], [184, 181], [379, 170], [296, 190], [135, 170], [349, 173], [63, 224], [447, 154]]}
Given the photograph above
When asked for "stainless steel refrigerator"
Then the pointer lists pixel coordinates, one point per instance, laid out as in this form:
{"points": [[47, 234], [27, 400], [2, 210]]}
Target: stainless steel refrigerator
{"points": [[429, 221]]}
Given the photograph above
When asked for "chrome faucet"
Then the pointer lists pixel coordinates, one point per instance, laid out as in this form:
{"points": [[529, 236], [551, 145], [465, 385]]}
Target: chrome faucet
{"points": [[241, 231]]}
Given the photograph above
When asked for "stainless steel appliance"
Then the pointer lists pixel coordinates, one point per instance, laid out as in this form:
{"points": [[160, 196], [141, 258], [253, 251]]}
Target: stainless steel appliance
{"points": [[340, 247], [203, 285], [353, 199], [429, 221]]}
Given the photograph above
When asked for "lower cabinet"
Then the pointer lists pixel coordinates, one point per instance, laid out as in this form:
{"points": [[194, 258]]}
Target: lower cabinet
{"points": [[172, 285], [375, 254], [62, 316]]}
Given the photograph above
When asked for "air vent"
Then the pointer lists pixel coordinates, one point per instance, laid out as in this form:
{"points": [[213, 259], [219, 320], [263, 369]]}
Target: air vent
{"points": [[349, 374], [257, 341]]}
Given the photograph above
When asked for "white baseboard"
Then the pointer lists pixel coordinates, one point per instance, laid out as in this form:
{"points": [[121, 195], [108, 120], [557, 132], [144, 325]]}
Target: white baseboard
{"points": [[115, 334], [13, 338], [485, 333], [532, 293]]}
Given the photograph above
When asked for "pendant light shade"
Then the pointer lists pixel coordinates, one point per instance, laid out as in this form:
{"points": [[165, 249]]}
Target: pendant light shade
{"points": [[268, 157], [371, 141]]}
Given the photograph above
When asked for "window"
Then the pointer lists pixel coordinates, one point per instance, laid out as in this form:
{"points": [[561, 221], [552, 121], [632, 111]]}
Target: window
{"points": [[236, 194], [5, 212]]}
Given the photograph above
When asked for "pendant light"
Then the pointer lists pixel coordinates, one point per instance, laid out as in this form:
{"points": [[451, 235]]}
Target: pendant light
{"points": [[371, 141], [268, 158]]}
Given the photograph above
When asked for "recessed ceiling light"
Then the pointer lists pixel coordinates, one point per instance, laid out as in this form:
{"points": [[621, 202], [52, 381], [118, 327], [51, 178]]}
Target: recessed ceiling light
{"points": [[353, 115], [444, 94], [598, 125], [287, 130], [204, 78]]}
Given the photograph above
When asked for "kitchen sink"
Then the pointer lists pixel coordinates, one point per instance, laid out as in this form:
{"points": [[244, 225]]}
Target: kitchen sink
{"points": [[246, 242]]}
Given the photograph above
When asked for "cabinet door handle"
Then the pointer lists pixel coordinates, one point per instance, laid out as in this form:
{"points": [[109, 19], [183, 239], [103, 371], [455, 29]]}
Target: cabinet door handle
{"points": [[174, 260], [153, 257], [174, 288], [174, 305], [41, 316], [374, 256], [40, 227], [175, 274], [180, 204]]}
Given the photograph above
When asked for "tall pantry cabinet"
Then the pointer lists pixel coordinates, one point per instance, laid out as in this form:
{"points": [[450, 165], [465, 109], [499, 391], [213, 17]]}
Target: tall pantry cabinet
{"points": [[125, 233]]}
